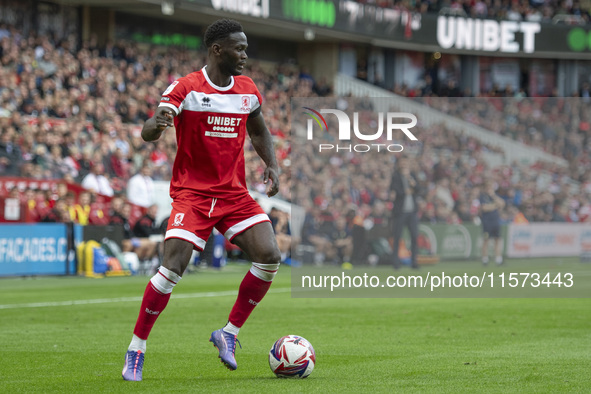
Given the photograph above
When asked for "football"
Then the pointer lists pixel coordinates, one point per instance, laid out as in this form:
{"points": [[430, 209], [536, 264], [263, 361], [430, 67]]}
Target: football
{"points": [[292, 356]]}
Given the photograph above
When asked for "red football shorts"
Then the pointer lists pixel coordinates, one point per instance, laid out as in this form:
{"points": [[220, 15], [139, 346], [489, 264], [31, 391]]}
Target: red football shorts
{"points": [[194, 216]]}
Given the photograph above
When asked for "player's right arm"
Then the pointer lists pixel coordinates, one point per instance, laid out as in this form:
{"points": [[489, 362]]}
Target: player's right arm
{"points": [[170, 106], [154, 126]]}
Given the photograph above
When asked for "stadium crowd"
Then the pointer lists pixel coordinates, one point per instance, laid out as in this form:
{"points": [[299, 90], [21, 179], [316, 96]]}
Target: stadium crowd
{"points": [[559, 126], [75, 113], [526, 10], [451, 170]]}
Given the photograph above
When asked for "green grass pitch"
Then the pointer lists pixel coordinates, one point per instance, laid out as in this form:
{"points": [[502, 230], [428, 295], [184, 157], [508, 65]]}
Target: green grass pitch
{"points": [[362, 345]]}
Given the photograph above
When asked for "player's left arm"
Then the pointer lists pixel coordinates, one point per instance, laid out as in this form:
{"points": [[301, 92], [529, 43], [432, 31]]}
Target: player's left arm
{"points": [[262, 141]]}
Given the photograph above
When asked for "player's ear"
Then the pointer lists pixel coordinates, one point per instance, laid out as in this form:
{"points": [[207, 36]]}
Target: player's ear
{"points": [[216, 48]]}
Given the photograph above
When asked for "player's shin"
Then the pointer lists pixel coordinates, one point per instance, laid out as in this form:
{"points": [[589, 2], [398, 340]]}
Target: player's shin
{"points": [[253, 288], [155, 299]]}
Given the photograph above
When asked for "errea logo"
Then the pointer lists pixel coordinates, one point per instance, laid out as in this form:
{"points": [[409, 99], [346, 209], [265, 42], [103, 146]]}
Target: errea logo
{"points": [[205, 102]]}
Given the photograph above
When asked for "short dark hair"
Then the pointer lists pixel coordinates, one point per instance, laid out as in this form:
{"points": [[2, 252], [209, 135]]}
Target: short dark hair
{"points": [[221, 29]]}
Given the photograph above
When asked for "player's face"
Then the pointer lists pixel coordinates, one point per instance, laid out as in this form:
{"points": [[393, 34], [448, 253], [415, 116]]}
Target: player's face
{"points": [[233, 54]]}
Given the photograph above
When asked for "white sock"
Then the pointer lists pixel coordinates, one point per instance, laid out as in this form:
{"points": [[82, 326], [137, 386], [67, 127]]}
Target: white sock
{"points": [[264, 272], [232, 329], [499, 259], [164, 280], [137, 344], [485, 260]]}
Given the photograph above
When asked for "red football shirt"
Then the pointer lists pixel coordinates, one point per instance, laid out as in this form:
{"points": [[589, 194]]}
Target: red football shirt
{"points": [[210, 127]]}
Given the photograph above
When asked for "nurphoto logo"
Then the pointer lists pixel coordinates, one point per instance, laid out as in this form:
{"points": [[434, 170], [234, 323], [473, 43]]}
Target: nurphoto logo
{"points": [[392, 121]]}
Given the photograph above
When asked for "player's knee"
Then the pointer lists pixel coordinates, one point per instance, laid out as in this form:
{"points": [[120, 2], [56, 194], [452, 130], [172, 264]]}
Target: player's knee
{"points": [[176, 269], [174, 264], [266, 255], [270, 257]]}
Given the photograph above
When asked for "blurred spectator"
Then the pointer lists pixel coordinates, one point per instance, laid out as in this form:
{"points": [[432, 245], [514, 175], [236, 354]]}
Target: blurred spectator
{"points": [[96, 182], [146, 225], [145, 248], [341, 241], [119, 165], [10, 154], [80, 211], [280, 223], [314, 233], [490, 206], [403, 189], [58, 214], [140, 188], [119, 215]]}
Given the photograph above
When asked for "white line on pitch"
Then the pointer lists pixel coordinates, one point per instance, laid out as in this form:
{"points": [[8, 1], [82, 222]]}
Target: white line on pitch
{"points": [[129, 299]]}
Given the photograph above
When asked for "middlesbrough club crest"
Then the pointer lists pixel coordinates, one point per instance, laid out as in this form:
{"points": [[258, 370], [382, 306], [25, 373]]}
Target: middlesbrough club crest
{"points": [[245, 104], [178, 219]]}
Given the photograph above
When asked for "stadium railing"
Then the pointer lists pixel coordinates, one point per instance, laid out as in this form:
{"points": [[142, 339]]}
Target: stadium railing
{"points": [[448, 11], [563, 19]]}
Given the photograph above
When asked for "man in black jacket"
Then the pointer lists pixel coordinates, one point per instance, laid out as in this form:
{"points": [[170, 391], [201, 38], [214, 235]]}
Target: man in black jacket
{"points": [[146, 248], [146, 225], [404, 213]]}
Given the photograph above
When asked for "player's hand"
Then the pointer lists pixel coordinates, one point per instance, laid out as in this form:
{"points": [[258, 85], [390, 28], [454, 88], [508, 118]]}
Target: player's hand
{"points": [[164, 118], [272, 174]]}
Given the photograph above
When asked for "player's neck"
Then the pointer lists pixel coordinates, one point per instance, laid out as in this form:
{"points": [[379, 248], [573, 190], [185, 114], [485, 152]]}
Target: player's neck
{"points": [[217, 77]]}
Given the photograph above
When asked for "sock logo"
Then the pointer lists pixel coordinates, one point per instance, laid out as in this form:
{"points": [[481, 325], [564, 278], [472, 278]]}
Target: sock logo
{"points": [[152, 312], [253, 302]]}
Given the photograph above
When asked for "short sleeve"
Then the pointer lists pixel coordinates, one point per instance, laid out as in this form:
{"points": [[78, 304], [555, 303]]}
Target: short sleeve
{"points": [[259, 100], [174, 95]]}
